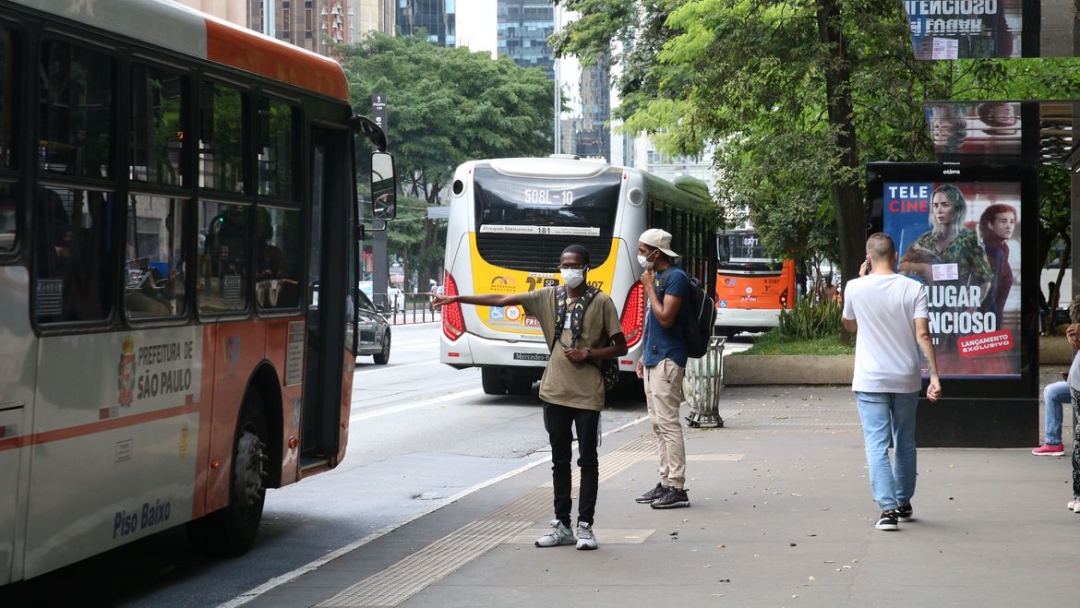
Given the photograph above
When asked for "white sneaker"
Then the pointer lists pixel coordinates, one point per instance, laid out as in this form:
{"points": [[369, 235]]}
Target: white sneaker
{"points": [[1074, 504], [586, 540], [558, 535]]}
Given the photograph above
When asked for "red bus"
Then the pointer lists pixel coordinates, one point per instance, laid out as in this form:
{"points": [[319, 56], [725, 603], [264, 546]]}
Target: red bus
{"points": [[751, 287], [178, 259]]}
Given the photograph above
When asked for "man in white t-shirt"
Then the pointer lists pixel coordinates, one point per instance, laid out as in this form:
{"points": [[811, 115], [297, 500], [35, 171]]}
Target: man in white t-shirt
{"points": [[890, 313]]}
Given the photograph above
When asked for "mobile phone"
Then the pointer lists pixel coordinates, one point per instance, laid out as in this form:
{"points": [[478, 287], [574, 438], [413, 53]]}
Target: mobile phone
{"points": [[869, 264]]}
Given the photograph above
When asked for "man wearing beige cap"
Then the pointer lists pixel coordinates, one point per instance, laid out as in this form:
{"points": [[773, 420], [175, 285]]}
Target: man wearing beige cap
{"points": [[663, 362]]}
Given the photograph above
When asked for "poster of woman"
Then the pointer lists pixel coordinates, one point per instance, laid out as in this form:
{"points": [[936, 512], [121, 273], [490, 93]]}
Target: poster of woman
{"points": [[962, 241]]}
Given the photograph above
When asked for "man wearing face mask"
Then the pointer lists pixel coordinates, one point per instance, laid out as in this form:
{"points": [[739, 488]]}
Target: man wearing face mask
{"points": [[663, 363], [572, 388]]}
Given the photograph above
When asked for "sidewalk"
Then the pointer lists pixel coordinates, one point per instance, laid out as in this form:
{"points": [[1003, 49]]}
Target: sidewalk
{"points": [[781, 515]]}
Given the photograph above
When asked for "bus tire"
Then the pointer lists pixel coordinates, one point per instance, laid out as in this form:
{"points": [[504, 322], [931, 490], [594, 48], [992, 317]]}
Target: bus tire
{"points": [[492, 381], [231, 531]]}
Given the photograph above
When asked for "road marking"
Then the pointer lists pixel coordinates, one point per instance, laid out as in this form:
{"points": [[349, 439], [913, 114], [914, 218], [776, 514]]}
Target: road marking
{"points": [[411, 406], [383, 368], [275, 582]]}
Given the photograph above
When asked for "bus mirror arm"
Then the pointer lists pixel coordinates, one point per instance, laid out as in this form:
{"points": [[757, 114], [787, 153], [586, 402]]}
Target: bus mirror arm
{"points": [[370, 130], [362, 231]]}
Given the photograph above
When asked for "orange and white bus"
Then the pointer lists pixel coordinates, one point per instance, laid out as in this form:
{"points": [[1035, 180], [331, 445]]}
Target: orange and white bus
{"points": [[177, 254], [751, 287], [510, 220]]}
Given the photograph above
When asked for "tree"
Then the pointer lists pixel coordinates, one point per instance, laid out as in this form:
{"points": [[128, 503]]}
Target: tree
{"points": [[445, 106], [798, 96], [449, 105]]}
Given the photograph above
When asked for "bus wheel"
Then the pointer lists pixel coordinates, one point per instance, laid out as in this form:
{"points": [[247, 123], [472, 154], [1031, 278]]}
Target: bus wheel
{"points": [[493, 381], [231, 531]]}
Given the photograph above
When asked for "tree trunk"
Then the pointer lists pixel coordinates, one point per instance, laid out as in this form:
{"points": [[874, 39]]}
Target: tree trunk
{"points": [[846, 194]]}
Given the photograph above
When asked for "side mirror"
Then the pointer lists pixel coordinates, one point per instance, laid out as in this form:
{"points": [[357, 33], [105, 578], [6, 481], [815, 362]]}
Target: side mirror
{"points": [[383, 187]]}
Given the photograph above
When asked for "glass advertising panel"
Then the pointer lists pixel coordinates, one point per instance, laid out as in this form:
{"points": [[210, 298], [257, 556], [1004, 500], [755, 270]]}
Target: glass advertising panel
{"points": [[965, 29], [962, 240], [989, 128]]}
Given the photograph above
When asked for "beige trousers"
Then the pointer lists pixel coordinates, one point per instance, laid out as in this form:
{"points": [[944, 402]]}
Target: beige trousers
{"points": [[663, 394]]}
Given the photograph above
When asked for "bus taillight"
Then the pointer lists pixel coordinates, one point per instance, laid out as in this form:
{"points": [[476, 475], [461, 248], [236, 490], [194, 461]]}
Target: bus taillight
{"points": [[453, 324], [784, 300], [633, 314]]}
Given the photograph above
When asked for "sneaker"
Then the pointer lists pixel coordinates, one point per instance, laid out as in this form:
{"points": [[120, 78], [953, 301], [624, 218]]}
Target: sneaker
{"points": [[1049, 449], [651, 495], [887, 521], [673, 498], [586, 540], [904, 513], [560, 534], [1074, 504]]}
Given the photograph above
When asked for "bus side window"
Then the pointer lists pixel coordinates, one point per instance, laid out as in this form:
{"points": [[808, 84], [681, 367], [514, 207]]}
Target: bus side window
{"points": [[280, 258], [72, 254], [223, 257], [154, 261]]}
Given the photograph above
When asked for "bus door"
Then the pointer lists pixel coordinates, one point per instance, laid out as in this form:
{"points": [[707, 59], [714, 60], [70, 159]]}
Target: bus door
{"points": [[328, 301]]}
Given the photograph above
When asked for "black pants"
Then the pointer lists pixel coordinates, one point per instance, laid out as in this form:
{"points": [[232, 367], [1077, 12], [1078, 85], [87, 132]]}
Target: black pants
{"points": [[559, 421]]}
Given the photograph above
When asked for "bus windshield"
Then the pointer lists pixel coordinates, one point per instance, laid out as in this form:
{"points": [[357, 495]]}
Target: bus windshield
{"points": [[529, 205], [740, 248]]}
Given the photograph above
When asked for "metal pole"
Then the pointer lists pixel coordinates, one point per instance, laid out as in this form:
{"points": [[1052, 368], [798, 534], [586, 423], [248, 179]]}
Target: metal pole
{"points": [[558, 90]]}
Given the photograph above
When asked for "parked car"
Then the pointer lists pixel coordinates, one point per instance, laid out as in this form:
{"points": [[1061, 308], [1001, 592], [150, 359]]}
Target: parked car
{"points": [[394, 297]]}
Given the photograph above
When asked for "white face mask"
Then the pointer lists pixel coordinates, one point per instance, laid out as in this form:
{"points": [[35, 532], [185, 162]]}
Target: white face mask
{"points": [[572, 276], [644, 261]]}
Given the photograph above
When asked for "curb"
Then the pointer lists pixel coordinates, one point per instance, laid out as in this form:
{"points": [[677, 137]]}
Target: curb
{"points": [[747, 370]]}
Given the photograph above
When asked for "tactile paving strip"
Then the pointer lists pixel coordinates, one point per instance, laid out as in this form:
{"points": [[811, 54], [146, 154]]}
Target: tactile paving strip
{"points": [[411, 575]]}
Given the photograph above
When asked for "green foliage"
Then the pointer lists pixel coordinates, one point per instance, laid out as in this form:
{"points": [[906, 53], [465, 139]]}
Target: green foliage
{"points": [[796, 97], [775, 343], [448, 105], [809, 320], [445, 106]]}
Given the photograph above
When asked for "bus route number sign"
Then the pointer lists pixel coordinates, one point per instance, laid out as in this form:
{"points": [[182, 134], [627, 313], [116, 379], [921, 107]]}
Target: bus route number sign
{"points": [[543, 196]]}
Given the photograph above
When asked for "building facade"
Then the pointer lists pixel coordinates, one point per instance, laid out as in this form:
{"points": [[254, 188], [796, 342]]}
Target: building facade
{"points": [[438, 18], [524, 27], [593, 138]]}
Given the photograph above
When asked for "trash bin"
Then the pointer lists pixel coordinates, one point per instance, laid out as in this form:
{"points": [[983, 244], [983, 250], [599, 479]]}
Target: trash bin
{"points": [[702, 382]]}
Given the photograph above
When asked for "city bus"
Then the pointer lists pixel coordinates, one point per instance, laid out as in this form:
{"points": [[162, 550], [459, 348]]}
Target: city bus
{"points": [[510, 220], [177, 249], [751, 286]]}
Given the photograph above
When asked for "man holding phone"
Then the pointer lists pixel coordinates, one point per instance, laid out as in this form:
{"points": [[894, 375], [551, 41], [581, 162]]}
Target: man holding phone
{"points": [[890, 313]]}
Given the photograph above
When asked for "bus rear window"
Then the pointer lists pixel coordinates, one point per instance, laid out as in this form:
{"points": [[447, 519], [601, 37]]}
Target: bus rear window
{"points": [[559, 206]]}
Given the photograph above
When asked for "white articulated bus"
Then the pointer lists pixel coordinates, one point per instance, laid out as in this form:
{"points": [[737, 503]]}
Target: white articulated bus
{"points": [[510, 220], [177, 258]]}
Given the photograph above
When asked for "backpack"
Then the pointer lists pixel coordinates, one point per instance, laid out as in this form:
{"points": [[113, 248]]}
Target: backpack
{"points": [[609, 368], [698, 329]]}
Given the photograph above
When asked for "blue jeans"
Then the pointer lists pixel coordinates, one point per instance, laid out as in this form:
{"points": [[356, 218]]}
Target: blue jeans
{"points": [[1055, 396], [889, 417]]}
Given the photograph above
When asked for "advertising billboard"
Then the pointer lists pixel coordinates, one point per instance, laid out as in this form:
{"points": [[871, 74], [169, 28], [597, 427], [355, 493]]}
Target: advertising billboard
{"points": [[988, 128], [960, 233], [965, 29]]}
